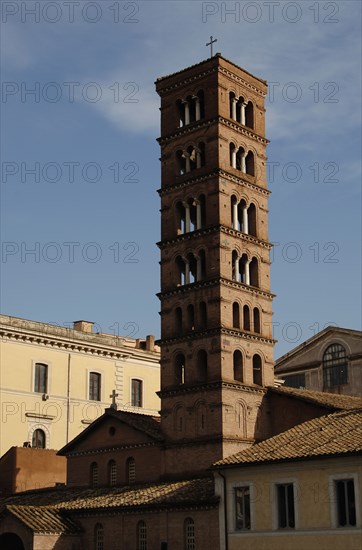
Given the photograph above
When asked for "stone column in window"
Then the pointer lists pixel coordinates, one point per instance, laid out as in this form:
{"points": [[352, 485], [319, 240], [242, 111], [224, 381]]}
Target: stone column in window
{"points": [[247, 272], [187, 217], [197, 108], [245, 220], [187, 112], [243, 107], [237, 270], [187, 271], [187, 161], [243, 162], [233, 157], [235, 215], [233, 107]]}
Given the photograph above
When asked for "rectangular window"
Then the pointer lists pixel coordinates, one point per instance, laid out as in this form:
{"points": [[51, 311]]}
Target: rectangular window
{"points": [[136, 398], [242, 508], [295, 381], [346, 503], [94, 386], [41, 378], [285, 499]]}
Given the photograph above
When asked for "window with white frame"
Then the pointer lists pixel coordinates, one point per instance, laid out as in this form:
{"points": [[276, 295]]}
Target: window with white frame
{"points": [[345, 502], [242, 508], [285, 506]]}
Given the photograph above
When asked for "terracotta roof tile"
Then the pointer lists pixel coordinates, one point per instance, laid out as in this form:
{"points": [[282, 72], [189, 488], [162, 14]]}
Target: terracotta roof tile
{"points": [[330, 400], [47, 510], [44, 519], [332, 434]]}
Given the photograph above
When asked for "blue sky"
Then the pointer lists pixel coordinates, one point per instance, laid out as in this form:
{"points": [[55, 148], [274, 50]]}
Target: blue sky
{"points": [[80, 164]]}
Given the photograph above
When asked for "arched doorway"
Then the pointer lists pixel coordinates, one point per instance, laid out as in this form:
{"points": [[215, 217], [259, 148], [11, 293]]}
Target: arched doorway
{"points": [[10, 541]]}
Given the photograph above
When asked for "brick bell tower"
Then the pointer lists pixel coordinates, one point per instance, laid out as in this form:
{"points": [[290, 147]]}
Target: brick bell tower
{"points": [[216, 306]]}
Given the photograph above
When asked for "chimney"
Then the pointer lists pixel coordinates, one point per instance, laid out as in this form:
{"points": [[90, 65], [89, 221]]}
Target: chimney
{"points": [[83, 326], [150, 343]]}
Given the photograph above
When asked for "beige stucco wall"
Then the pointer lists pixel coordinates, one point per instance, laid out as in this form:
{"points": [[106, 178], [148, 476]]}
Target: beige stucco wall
{"points": [[314, 506], [62, 417]]}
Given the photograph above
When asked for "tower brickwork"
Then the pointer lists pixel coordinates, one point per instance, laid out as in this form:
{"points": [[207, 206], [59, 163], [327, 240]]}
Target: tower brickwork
{"points": [[216, 305]]}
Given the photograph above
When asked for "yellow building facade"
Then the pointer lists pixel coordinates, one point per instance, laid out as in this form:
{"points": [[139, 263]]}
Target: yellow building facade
{"points": [[301, 489], [55, 381]]}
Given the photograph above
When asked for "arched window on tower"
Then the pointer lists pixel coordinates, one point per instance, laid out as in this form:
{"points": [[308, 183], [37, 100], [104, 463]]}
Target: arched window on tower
{"points": [[236, 315], [183, 167], [130, 470], [178, 320], [246, 318], [202, 366], [249, 115], [181, 112], [238, 366], [180, 369], [232, 152], [256, 313], [251, 216], [249, 164], [335, 366], [254, 272], [257, 370], [38, 439]]}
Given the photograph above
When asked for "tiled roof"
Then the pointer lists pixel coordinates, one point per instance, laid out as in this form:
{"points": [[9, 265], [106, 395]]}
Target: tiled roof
{"points": [[149, 425], [330, 400], [143, 422], [330, 435], [48, 510], [158, 495], [44, 519]]}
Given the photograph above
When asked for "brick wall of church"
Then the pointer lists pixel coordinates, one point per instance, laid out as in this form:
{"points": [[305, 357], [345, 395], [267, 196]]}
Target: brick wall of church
{"points": [[120, 532]]}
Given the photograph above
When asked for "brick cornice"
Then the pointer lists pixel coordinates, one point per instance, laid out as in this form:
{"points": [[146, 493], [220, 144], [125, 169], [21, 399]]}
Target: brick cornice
{"points": [[216, 228], [253, 337], [218, 172], [196, 388], [216, 282], [204, 123]]}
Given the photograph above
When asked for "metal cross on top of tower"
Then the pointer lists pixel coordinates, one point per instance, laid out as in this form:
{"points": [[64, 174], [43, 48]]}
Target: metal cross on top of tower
{"points": [[211, 43], [113, 396]]}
